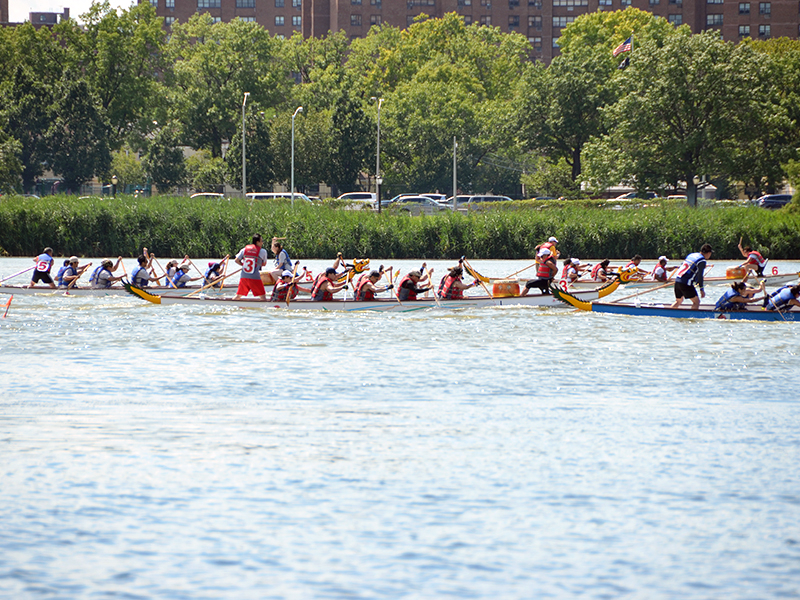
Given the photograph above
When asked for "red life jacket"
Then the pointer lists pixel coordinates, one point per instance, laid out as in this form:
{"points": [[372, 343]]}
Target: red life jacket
{"points": [[251, 262], [755, 257], [545, 270], [409, 293], [449, 291], [596, 272], [364, 294], [279, 293], [317, 293]]}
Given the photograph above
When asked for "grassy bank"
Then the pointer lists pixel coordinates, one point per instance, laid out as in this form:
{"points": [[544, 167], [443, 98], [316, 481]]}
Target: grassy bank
{"points": [[176, 226]]}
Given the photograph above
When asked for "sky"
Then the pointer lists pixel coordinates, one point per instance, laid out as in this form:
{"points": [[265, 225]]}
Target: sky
{"points": [[18, 9]]}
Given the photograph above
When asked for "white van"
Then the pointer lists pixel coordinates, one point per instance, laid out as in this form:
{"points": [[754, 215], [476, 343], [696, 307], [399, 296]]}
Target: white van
{"points": [[278, 196]]}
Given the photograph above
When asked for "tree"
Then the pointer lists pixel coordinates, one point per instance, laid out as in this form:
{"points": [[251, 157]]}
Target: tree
{"points": [[164, 162], [687, 102], [127, 167], [206, 172], [350, 143], [215, 64], [10, 164], [260, 159]]}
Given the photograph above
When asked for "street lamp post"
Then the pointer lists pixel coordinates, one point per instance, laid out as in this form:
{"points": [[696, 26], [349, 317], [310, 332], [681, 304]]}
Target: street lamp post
{"points": [[378, 179], [114, 182], [244, 164], [299, 110]]}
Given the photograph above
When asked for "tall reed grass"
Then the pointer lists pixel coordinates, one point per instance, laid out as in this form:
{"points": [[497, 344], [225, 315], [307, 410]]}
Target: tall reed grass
{"points": [[94, 227]]}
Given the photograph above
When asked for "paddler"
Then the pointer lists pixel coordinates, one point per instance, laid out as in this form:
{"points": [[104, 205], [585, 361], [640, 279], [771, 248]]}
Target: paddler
{"points": [[546, 270], [44, 262], [661, 271], [102, 277], [182, 277], [783, 297], [738, 296], [251, 258], [453, 288], [71, 272], [550, 244], [282, 260], [409, 286], [690, 274], [600, 271], [572, 270], [367, 288], [213, 273], [287, 287], [632, 271], [755, 262], [324, 286], [140, 276]]}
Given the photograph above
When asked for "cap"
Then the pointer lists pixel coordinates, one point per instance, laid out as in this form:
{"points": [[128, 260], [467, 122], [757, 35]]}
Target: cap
{"points": [[186, 267], [286, 273], [330, 271], [576, 261], [415, 274], [544, 252], [553, 240], [108, 262], [664, 258], [73, 259]]}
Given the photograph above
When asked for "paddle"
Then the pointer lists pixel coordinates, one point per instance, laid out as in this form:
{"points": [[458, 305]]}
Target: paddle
{"points": [[20, 273], [205, 287], [8, 304], [394, 289], [483, 285], [225, 269], [291, 285], [81, 271], [521, 270], [435, 295]]}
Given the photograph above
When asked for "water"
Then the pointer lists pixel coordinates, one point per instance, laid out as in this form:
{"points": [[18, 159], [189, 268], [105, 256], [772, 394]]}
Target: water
{"points": [[181, 452]]}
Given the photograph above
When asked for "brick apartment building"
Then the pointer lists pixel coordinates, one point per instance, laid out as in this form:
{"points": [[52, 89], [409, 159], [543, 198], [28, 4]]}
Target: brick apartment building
{"points": [[539, 20]]}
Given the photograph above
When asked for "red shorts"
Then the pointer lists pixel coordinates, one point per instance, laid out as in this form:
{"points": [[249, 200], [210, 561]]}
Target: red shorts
{"points": [[254, 286]]}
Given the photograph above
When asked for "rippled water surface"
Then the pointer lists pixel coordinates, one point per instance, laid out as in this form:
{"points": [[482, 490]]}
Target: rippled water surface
{"points": [[183, 452]]}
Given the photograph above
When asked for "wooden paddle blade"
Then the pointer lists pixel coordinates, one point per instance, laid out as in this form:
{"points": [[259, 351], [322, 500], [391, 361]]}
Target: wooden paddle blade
{"points": [[475, 274]]}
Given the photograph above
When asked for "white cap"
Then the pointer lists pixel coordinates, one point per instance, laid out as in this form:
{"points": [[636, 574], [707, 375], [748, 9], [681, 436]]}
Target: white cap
{"points": [[186, 267], [286, 273], [660, 258], [553, 240], [544, 252], [576, 261]]}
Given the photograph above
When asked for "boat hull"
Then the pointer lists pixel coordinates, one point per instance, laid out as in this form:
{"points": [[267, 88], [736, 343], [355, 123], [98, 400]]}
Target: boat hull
{"points": [[112, 291]]}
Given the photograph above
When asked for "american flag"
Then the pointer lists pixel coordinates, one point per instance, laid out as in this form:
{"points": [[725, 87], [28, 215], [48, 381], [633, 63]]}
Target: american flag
{"points": [[624, 46]]}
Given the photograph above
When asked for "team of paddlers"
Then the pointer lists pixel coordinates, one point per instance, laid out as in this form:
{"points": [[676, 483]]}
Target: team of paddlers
{"points": [[286, 280]]}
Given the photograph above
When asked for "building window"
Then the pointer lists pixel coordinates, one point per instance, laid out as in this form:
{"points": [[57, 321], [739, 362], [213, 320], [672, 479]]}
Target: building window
{"points": [[744, 30], [513, 22], [654, 2], [298, 4], [375, 3], [248, 19], [245, 3], [570, 4], [465, 2], [280, 3], [605, 3], [535, 21], [536, 42], [675, 19], [562, 21], [537, 4], [765, 9], [467, 19], [207, 4], [678, 2], [486, 3], [625, 3], [168, 21], [355, 20], [764, 31], [355, 2], [713, 20], [744, 8], [279, 21], [154, 3], [216, 19], [170, 3], [555, 43], [486, 20], [297, 21], [513, 4], [374, 19], [714, 1]]}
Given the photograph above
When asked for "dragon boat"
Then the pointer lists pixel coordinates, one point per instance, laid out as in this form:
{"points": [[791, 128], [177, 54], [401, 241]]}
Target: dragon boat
{"points": [[112, 291], [377, 305], [685, 311]]}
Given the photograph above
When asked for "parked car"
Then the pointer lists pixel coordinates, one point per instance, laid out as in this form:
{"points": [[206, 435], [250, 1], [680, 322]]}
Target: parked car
{"points": [[440, 198], [634, 196], [774, 200], [461, 199], [278, 196], [359, 200], [418, 204], [208, 196], [485, 198], [385, 203]]}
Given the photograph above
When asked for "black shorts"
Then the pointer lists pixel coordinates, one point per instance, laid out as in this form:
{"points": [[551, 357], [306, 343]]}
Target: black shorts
{"points": [[40, 276], [685, 291]]}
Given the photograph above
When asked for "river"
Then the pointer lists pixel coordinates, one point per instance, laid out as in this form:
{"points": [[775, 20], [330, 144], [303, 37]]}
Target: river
{"points": [[182, 452]]}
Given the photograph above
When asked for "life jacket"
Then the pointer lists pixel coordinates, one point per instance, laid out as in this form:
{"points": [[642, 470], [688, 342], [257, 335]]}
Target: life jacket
{"points": [[659, 273], [251, 262], [545, 270], [689, 269], [724, 303], [176, 280], [63, 272], [137, 279], [44, 263], [756, 258], [282, 261], [317, 293], [94, 279], [596, 272], [450, 292], [211, 272], [441, 285], [405, 293], [548, 246], [779, 298], [362, 293], [280, 292], [566, 271]]}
